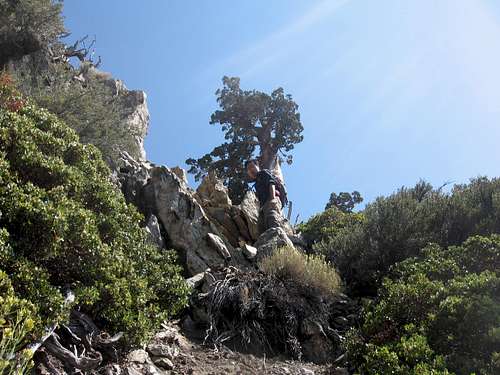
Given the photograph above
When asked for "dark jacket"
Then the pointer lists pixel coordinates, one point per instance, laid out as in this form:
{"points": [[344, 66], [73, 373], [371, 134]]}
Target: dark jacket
{"points": [[263, 180]]}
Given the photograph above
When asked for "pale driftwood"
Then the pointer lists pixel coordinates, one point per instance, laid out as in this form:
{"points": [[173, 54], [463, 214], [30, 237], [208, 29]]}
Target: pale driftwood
{"points": [[54, 347]]}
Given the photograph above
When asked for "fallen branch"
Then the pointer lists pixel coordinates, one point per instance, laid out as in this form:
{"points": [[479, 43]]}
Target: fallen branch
{"points": [[55, 348]]}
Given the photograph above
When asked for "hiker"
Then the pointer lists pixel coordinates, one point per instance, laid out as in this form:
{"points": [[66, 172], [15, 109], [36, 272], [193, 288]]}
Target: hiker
{"points": [[271, 195]]}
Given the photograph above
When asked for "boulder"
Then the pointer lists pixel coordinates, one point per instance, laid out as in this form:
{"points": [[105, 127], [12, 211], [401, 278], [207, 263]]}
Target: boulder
{"points": [[164, 363], [196, 280], [249, 252], [138, 356], [249, 208], [271, 240], [216, 242], [212, 192]]}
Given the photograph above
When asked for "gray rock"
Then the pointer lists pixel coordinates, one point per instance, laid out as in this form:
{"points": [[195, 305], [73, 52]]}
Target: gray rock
{"points": [[218, 244], [340, 371], [249, 251], [213, 192], [208, 281], [187, 225], [196, 280], [151, 369], [154, 232], [341, 321], [136, 116], [271, 240], [316, 343], [138, 356], [133, 370], [306, 371], [164, 363], [161, 350], [181, 173], [250, 211]]}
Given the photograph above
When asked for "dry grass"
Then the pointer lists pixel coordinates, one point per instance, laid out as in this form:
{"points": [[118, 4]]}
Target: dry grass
{"points": [[310, 270]]}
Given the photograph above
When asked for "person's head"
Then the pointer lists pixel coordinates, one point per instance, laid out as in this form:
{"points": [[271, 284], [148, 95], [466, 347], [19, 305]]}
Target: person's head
{"points": [[252, 167]]}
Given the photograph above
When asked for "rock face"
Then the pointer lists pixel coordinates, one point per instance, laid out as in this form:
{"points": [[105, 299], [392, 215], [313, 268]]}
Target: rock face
{"points": [[136, 116], [236, 223], [205, 228], [188, 227], [154, 231], [270, 240], [250, 211]]}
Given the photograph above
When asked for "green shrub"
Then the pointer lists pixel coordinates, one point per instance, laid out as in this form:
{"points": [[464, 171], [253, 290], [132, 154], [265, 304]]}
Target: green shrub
{"points": [[363, 247], [287, 263], [69, 227], [27, 26], [327, 225], [92, 108], [17, 322], [441, 312]]}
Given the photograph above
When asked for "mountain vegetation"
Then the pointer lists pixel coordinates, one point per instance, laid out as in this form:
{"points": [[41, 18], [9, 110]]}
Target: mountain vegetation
{"points": [[65, 227], [251, 120], [59, 77], [428, 261], [408, 284]]}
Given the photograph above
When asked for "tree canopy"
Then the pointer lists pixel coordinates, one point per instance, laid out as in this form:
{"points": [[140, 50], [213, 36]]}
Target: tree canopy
{"points": [[344, 201], [255, 124]]}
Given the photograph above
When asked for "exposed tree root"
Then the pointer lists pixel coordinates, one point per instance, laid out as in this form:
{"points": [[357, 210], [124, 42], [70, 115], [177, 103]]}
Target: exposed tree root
{"points": [[262, 314]]}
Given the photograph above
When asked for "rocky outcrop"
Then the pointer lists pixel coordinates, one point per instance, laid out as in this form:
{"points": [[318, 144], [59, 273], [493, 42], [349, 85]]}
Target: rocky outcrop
{"points": [[239, 224], [189, 229], [135, 117], [271, 240], [205, 228]]}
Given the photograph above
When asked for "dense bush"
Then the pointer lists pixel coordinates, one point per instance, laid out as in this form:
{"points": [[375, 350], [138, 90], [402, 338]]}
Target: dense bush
{"points": [[397, 227], [66, 226], [327, 225], [27, 26], [92, 107], [16, 326], [312, 271], [33, 50], [441, 312]]}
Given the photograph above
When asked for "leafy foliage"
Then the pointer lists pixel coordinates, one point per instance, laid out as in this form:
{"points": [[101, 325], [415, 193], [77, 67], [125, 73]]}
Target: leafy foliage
{"points": [[287, 263], [249, 120], [27, 26], [17, 321], [441, 312], [328, 225], [69, 227], [92, 107], [397, 227], [344, 201], [33, 51]]}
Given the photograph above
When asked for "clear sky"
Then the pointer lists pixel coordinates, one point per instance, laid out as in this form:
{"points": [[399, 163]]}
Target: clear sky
{"points": [[389, 91]]}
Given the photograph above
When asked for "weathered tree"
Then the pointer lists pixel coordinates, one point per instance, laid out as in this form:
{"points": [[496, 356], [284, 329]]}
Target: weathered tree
{"points": [[344, 201], [255, 124]]}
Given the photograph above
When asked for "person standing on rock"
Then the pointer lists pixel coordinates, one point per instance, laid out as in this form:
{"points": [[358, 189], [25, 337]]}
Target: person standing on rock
{"points": [[271, 195]]}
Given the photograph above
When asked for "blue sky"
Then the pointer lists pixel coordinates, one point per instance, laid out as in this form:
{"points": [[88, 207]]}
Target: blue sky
{"points": [[389, 91]]}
